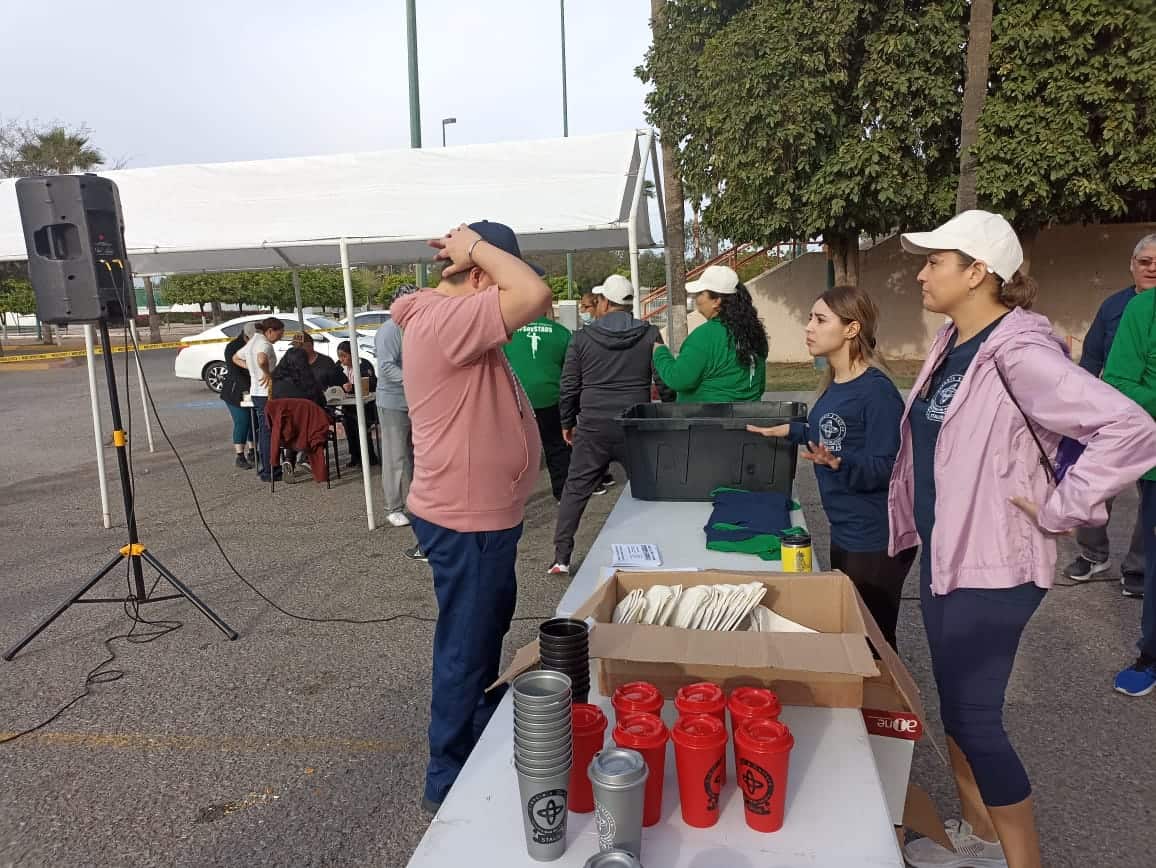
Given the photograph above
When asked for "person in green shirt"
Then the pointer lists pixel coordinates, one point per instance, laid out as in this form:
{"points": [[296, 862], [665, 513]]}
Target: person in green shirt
{"points": [[1131, 368], [536, 352], [724, 360]]}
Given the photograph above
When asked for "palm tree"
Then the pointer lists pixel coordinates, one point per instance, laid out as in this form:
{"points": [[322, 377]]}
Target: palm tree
{"points": [[57, 151], [974, 94]]}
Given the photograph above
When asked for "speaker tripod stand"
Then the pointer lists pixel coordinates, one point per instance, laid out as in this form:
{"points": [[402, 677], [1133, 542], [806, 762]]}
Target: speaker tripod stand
{"points": [[134, 551]]}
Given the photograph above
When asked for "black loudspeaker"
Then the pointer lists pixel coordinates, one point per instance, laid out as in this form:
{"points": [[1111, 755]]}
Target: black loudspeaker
{"points": [[77, 263]]}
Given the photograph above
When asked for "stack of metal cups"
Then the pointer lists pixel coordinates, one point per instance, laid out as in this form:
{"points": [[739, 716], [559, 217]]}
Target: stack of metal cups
{"points": [[564, 646], [543, 756]]}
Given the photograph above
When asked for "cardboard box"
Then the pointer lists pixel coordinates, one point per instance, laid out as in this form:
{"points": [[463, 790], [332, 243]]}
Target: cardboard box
{"points": [[827, 668]]}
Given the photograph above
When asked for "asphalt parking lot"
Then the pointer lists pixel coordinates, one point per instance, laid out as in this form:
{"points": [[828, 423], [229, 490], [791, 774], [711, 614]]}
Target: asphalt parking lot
{"points": [[303, 743]]}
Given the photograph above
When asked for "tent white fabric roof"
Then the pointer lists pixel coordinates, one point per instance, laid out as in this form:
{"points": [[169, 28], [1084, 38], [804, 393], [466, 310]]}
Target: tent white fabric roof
{"points": [[557, 194]]}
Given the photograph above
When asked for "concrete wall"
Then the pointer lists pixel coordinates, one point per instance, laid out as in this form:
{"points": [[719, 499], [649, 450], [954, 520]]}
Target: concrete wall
{"points": [[1077, 268]]}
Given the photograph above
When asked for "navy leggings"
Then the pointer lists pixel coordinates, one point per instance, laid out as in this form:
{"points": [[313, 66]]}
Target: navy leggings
{"points": [[974, 635]]}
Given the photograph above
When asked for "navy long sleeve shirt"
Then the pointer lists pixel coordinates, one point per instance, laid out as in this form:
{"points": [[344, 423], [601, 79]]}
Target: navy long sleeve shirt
{"points": [[858, 421]]}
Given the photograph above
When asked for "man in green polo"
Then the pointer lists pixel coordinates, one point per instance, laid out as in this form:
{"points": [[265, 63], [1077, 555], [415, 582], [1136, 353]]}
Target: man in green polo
{"points": [[536, 352]]}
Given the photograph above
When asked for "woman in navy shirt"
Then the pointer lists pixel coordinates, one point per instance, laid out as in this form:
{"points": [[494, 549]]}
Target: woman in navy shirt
{"points": [[852, 436]]}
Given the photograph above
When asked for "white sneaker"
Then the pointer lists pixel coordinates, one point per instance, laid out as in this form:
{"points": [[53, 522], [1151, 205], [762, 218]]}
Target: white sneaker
{"points": [[559, 570], [398, 519], [971, 851]]}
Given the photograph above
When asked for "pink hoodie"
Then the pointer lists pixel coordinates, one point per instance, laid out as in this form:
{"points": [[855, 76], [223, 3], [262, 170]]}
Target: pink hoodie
{"points": [[475, 437], [985, 455]]}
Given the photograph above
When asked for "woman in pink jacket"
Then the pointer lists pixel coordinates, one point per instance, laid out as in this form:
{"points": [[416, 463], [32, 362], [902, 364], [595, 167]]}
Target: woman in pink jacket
{"points": [[972, 484]]}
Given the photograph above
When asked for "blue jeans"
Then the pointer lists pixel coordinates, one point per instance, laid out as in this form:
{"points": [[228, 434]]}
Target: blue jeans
{"points": [[242, 424], [1148, 615], [476, 588], [974, 635], [262, 436]]}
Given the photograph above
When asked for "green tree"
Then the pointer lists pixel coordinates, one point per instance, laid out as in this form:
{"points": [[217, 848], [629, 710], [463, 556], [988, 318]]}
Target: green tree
{"points": [[56, 150], [390, 284], [804, 119], [1068, 131], [16, 297]]}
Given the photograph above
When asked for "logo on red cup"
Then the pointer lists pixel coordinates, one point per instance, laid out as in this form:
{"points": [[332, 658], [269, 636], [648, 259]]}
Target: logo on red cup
{"points": [[713, 785], [757, 785]]}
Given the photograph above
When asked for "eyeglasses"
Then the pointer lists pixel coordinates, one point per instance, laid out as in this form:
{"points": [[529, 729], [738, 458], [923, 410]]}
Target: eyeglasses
{"points": [[1144, 262]]}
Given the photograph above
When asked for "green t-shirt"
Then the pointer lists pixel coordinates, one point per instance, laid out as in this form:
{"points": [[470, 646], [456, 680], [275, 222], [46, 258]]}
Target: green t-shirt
{"points": [[536, 352], [1131, 365], [707, 370]]}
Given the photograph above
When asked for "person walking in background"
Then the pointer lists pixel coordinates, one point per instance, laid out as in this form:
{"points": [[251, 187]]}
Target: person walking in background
{"points": [[724, 359], [536, 352], [259, 358], [476, 454], [1131, 368], [851, 436], [1095, 550], [393, 420], [974, 483], [349, 412], [233, 390], [608, 370]]}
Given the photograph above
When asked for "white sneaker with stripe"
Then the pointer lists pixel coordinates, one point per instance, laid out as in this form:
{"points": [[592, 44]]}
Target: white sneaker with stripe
{"points": [[971, 851]]}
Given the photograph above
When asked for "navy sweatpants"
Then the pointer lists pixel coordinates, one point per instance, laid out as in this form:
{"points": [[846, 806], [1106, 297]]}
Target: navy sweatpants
{"points": [[974, 635], [1148, 613], [476, 589]]}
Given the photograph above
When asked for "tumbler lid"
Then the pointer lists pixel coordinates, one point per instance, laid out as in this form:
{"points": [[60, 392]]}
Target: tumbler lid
{"points": [[640, 731], [588, 719], [618, 767]]}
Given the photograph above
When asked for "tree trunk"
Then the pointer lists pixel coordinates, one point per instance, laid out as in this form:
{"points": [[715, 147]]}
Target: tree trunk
{"points": [[201, 305], [845, 256], [675, 230], [974, 94], [154, 317], [215, 306], [1028, 238]]}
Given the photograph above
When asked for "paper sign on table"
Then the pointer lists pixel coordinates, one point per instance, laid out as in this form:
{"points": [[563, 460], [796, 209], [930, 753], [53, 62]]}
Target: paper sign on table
{"points": [[642, 555]]}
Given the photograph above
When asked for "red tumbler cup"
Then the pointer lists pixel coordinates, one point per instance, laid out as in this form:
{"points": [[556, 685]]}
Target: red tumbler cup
{"points": [[762, 756], [589, 738], [700, 749], [702, 698], [637, 696], [647, 734]]}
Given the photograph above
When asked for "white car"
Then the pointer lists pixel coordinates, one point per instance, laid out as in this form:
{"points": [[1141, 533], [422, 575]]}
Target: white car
{"points": [[368, 321], [206, 361]]}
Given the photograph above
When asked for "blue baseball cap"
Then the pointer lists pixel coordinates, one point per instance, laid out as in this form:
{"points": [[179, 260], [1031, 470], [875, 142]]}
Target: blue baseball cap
{"points": [[502, 236]]}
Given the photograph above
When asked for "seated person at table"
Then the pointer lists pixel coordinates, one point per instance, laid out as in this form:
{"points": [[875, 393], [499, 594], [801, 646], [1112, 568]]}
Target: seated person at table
{"points": [[724, 360], [292, 378], [324, 368], [349, 413]]}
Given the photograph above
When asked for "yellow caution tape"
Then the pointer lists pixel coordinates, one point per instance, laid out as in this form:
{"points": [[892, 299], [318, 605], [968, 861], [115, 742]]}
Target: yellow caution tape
{"points": [[80, 354]]}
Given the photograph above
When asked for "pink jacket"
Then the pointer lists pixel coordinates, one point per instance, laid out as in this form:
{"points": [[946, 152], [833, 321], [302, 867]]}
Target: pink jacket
{"points": [[985, 455]]}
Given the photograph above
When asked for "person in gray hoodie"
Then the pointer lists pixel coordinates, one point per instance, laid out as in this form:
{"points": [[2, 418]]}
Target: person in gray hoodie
{"points": [[609, 368], [393, 419]]}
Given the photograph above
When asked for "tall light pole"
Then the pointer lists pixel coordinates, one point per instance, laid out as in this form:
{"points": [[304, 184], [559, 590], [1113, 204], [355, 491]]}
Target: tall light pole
{"points": [[414, 102], [566, 134], [446, 122]]}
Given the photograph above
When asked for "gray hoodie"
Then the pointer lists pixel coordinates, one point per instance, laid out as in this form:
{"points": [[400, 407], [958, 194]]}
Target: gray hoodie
{"points": [[608, 368]]}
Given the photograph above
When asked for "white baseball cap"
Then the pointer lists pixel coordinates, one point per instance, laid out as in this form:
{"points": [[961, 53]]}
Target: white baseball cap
{"points": [[981, 235], [616, 288], [718, 279]]}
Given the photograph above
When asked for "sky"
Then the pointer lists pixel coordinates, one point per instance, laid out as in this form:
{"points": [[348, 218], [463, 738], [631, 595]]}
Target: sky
{"points": [[161, 82]]}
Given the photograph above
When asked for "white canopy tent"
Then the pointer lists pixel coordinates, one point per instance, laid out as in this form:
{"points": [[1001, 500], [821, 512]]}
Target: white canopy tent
{"points": [[559, 195]]}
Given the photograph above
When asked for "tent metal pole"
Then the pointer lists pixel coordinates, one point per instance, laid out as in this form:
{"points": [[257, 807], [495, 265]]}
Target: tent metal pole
{"points": [[97, 433], [297, 296], [362, 428], [632, 226], [144, 401]]}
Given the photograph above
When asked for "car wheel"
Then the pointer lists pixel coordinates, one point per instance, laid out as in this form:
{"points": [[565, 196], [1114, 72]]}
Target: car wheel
{"points": [[214, 376]]}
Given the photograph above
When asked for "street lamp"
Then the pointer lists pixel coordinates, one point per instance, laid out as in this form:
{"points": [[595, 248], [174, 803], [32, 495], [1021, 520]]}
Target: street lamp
{"points": [[445, 123]]}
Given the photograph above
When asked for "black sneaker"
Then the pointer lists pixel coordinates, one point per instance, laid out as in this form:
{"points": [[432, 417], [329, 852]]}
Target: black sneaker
{"points": [[600, 490], [1082, 569], [242, 462], [415, 553], [1132, 586], [429, 806]]}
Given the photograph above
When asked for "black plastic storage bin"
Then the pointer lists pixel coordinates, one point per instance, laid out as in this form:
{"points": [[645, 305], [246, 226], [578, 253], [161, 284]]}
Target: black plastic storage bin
{"points": [[685, 451]]}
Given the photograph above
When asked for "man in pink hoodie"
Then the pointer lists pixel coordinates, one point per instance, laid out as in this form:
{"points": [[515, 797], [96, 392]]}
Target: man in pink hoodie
{"points": [[476, 454]]}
